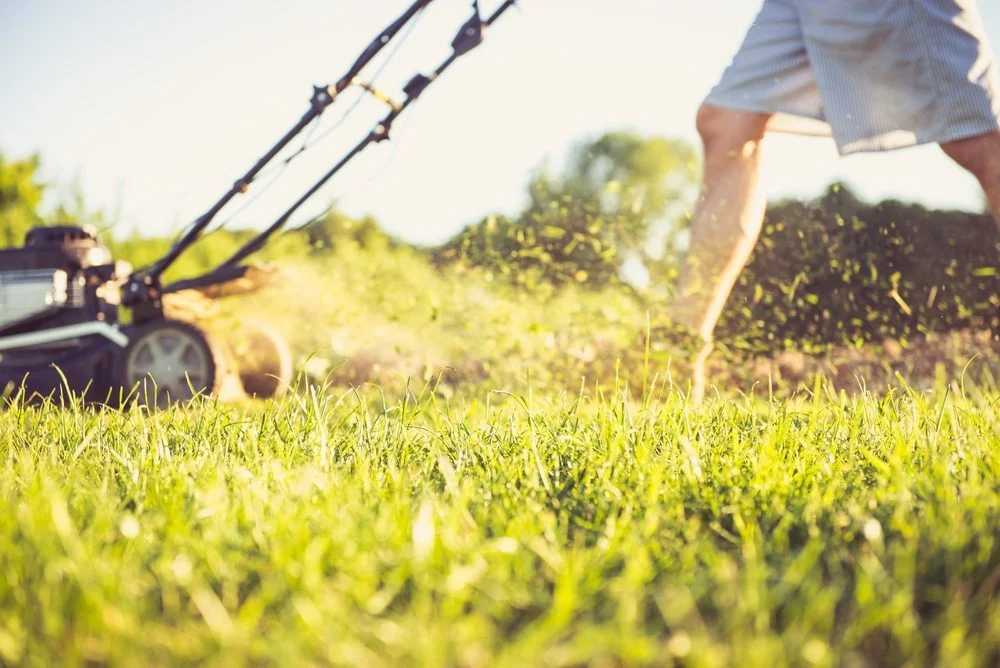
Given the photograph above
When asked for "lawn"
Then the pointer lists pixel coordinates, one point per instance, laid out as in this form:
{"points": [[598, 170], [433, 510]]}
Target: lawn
{"points": [[468, 474], [347, 528]]}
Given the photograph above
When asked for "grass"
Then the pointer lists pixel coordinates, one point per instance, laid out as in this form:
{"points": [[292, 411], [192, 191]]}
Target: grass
{"points": [[335, 529], [430, 519]]}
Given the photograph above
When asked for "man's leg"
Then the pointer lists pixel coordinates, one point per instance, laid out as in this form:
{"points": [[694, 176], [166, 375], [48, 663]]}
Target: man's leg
{"points": [[727, 219], [981, 156], [724, 229]]}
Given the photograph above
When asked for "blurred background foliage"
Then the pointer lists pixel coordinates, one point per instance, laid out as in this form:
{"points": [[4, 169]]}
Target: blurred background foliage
{"points": [[835, 271], [20, 196], [621, 197], [838, 271]]}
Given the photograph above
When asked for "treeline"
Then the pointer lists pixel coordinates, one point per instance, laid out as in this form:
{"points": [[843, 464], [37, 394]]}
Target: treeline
{"points": [[22, 192], [830, 271]]}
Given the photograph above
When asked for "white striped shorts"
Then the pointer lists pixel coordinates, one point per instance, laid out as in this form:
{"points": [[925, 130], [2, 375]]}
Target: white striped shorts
{"points": [[876, 75]]}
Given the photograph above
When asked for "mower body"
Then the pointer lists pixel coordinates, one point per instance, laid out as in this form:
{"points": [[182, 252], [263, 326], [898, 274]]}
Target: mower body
{"points": [[62, 333], [59, 325]]}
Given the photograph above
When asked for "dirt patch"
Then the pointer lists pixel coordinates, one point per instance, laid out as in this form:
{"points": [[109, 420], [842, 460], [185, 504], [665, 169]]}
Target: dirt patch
{"points": [[385, 354], [920, 363]]}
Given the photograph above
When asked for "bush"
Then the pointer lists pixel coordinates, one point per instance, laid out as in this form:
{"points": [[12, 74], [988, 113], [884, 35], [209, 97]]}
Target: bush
{"points": [[837, 271]]}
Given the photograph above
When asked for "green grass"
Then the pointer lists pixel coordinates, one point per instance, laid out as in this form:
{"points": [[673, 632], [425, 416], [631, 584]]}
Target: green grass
{"points": [[453, 524], [333, 529]]}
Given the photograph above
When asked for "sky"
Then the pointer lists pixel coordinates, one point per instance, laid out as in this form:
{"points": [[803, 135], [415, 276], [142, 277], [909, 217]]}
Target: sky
{"points": [[153, 109]]}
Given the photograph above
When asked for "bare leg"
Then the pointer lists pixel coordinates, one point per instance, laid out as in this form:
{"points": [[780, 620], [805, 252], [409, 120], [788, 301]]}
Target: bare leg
{"points": [[724, 229], [981, 156], [728, 217]]}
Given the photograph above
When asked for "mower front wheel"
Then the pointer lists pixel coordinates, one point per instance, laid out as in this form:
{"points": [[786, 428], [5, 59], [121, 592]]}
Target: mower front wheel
{"points": [[169, 362]]}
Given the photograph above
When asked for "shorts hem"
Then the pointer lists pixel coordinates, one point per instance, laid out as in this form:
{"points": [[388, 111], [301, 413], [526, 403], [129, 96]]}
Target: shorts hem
{"points": [[881, 144], [813, 125]]}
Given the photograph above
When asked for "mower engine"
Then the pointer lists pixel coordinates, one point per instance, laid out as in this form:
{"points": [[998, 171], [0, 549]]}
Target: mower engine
{"points": [[62, 275], [64, 332], [58, 313], [60, 334]]}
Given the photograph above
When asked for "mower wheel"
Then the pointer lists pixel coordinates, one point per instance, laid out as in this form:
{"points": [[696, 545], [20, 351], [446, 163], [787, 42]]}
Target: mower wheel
{"points": [[169, 362], [263, 359]]}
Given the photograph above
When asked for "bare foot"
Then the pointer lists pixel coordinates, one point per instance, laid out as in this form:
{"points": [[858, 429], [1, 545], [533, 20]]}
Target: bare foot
{"points": [[682, 354]]}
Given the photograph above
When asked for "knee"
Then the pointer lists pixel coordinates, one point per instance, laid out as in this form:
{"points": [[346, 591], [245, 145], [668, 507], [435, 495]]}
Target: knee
{"points": [[730, 130], [979, 155]]}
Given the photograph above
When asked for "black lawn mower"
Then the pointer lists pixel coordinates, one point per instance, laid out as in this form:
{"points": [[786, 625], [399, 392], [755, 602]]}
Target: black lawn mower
{"points": [[76, 323]]}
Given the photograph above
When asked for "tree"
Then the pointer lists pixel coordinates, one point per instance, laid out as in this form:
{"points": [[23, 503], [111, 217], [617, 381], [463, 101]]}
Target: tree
{"points": [[20, 196], [644, 184], [336, 229], [619, 193]]}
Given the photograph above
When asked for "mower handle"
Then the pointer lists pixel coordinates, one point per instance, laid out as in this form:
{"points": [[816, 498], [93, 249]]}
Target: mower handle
{"points": [[323, 97], [469, 37]]}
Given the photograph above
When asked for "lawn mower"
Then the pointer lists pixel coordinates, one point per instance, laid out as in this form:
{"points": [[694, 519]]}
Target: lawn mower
{"points": [[76, 323]]}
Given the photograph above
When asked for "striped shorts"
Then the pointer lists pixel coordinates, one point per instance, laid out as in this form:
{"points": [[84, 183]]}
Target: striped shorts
{"points": [[876, 75]]}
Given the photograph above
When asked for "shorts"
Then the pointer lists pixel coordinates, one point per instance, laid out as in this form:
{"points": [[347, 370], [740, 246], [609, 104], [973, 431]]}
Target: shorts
{"points": [[876, 75]]}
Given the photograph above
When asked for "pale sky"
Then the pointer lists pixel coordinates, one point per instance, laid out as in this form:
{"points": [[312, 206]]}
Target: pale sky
{"points": [[158, 106]]}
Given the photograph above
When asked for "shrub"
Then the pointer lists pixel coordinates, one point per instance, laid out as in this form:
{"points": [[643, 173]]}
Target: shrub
{"points": [[837, 271]]}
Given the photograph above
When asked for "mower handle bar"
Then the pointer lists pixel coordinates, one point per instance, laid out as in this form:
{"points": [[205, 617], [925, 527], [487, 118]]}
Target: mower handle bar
{"points": [[469, 37], [323, 97]]}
